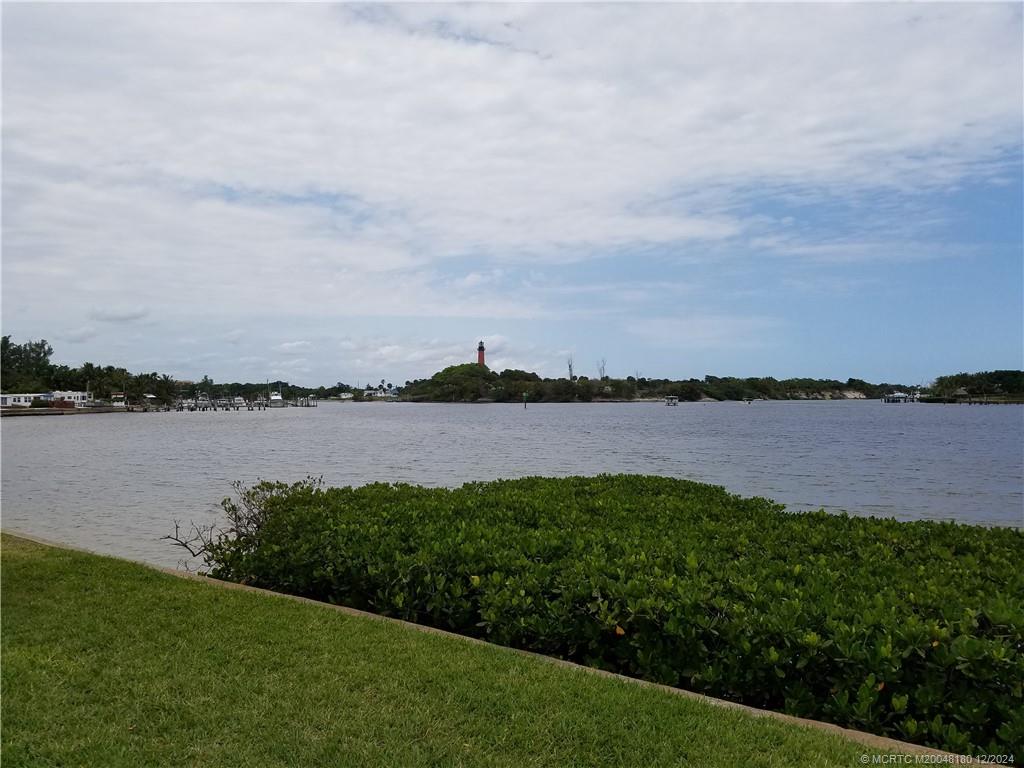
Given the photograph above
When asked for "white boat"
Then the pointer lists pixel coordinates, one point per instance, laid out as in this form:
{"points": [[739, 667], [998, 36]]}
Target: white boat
{"points": [[118, 400], [276, 401], [238, 402], [671, 400]]}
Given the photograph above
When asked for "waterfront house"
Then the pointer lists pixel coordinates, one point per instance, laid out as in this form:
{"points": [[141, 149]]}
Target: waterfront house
{"points": [[381, 393], [24, 400], [80, 399]]}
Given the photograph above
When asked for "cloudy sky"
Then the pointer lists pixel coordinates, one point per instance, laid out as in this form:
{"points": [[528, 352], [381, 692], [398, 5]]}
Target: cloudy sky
{"points": [[343, 192]]}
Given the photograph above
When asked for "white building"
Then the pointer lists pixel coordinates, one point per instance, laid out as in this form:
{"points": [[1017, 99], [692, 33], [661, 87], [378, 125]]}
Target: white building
{"points": [[21, 400], [24, 400], [380, 394], [80, 399]]}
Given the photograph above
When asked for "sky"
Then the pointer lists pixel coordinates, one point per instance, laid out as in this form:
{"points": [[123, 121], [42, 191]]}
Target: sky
{"points": [[320, 193]]}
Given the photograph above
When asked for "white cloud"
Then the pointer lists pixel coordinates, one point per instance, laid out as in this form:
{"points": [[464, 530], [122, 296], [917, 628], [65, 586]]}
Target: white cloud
{"points": [[561, 138], [474, 279], [85, 333], [119, 314], [294, 347], [852, 251], [214, 161]]}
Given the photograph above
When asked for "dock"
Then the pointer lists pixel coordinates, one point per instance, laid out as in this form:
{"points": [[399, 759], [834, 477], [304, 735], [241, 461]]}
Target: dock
{"points": [[900, 397], [204, 403], [200, 404]]}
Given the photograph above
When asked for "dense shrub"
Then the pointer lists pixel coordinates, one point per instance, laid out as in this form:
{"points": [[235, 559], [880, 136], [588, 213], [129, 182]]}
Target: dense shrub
{"points": [[909, 629]]}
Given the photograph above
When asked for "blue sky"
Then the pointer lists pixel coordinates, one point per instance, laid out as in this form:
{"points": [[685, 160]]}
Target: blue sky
{"points": [[321, 193]]}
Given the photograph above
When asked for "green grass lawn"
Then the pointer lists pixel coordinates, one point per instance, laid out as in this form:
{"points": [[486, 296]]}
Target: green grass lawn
{"points": [[109, 663]]}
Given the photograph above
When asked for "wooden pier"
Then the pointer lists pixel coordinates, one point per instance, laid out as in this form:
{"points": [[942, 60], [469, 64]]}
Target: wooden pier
{"points": [[202, 404], [221, 404], [899, 397]]}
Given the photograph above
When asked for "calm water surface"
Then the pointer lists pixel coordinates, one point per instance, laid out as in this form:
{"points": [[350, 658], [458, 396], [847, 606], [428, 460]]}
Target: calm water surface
{"points": [[116, 482]]}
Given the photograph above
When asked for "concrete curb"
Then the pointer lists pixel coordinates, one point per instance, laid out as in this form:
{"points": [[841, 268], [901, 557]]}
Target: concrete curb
{"points": [[869, 740]]}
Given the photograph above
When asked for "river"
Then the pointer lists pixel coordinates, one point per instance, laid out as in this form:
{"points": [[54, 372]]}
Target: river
{"points": [[115, 483]]}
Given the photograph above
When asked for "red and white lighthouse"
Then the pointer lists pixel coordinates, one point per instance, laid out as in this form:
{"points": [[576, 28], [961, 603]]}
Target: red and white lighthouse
{"points": [[480, 353]]}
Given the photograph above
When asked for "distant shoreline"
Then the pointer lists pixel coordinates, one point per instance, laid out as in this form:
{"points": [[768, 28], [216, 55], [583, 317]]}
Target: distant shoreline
{"points": [[13, 412]]}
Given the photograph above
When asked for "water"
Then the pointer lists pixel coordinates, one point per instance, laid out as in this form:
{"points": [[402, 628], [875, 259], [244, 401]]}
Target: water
{"points": [[115, 483]]}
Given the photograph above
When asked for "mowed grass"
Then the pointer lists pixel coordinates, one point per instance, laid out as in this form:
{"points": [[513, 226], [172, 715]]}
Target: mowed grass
{"points": [[109, 663]]}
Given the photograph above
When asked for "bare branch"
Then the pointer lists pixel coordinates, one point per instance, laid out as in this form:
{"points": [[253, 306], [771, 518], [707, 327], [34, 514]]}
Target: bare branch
{"points": [[245, 515], [196, 542]]}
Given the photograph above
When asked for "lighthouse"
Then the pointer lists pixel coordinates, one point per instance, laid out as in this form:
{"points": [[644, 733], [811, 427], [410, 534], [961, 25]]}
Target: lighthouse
{"points": [[480, 353]]}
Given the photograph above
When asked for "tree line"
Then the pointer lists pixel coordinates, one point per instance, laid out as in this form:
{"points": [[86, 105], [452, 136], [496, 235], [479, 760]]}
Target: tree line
{"points": [[471, 382], [27, 368], [984, 383]]}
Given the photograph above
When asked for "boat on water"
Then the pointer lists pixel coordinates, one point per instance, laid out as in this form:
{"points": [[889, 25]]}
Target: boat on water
{"points": [[238, 402], [118, 400], [276, 401], [671, 400]]}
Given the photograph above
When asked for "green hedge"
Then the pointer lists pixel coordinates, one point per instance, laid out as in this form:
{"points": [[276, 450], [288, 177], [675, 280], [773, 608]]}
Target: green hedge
{"points": [[908, 629]]}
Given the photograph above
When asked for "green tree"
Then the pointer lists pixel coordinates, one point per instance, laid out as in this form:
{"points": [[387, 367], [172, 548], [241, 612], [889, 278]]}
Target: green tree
{"points": [[25, 367]]}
